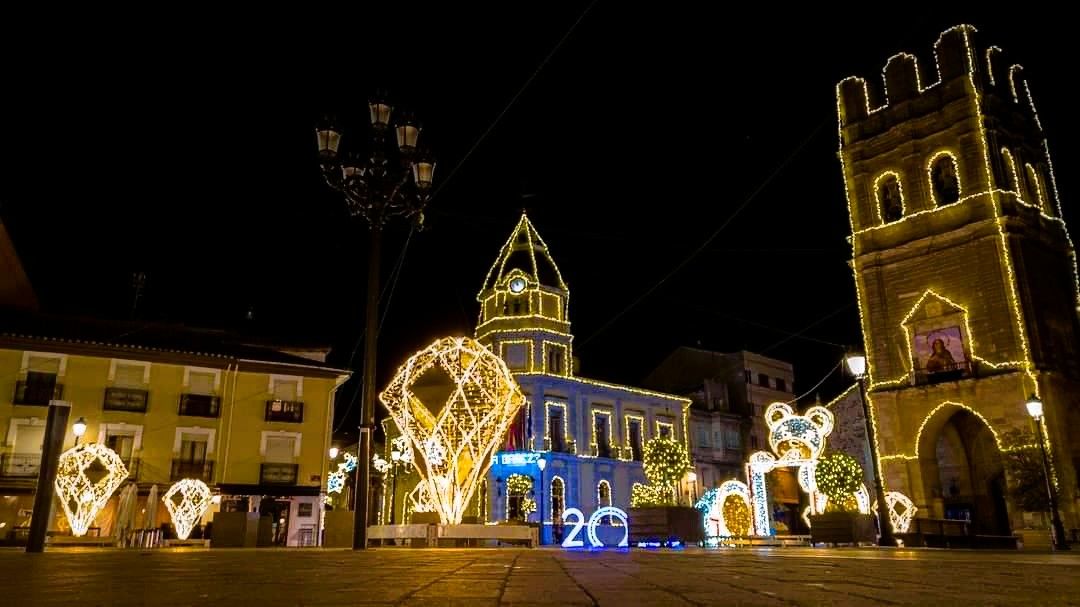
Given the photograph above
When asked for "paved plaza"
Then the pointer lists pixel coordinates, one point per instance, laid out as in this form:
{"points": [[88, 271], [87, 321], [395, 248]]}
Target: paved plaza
{"points": [[537, 577]]}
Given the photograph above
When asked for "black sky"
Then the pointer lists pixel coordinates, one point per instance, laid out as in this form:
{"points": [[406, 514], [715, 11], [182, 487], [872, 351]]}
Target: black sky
{"points": [[184, 148]]}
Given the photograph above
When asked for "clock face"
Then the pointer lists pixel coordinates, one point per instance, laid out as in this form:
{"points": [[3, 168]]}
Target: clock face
{"points": [[517, 285]]}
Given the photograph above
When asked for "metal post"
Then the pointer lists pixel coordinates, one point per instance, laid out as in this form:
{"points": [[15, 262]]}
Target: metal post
{"points": [[393, 492], [542, 486], [1060, 543], [55, 429], [885, 538], [367, 411]]}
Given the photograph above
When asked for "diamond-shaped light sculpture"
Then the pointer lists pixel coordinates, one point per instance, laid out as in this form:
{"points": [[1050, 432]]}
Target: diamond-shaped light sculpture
{"points": [[453, 401], [86, 478], [187, 501]]}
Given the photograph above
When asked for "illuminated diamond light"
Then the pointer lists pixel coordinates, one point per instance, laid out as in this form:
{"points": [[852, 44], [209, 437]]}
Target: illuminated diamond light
{"points": [[187, 502], [87, 476], [453, 402]]}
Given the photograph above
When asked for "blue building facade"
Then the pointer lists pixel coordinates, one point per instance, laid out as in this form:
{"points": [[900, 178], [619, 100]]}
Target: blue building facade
{"points": [[590, 434]]}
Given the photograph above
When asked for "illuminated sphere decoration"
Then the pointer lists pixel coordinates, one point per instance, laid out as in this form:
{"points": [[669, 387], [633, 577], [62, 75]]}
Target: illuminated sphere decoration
{"points": [[838, 476], [453, 401], [187, 501], [86, 478]]}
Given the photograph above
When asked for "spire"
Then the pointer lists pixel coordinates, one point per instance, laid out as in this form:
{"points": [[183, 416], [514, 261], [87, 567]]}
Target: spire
{"points": [[525, 253]]}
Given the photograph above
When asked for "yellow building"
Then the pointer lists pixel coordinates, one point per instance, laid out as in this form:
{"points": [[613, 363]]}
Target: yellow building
{"points": [[251, 420]]}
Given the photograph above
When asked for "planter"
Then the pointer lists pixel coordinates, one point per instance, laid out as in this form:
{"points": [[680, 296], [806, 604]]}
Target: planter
{"points": [[665, 523], [842, 528]]}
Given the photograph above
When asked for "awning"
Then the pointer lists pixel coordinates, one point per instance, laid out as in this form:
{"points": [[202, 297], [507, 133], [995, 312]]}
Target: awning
{"points": [[280, 490]]}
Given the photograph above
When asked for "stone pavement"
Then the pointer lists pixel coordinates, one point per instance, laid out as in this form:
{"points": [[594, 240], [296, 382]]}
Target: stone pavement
{"points": [[401, 576]]}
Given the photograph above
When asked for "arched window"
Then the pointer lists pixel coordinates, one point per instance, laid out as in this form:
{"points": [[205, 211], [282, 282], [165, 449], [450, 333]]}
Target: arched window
{"points": [[1036, 187], [890, 196], [558, 500], [603, 498], [1012, 179], [944, 179]]}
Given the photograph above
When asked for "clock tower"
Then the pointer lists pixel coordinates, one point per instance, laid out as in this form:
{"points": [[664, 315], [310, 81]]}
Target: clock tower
{"points": [[524, 306]]}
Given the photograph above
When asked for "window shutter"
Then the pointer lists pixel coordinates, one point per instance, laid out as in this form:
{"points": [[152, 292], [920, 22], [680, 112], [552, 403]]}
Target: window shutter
{"points": [[280, 448], [200, 383], [129, 375]]}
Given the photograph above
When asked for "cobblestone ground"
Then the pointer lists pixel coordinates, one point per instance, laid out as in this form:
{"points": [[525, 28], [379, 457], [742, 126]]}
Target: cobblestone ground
{"points": [[536, 577]]}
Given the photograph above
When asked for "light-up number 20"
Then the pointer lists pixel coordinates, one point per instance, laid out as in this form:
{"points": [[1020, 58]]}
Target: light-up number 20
{"points": [[571, 540]]}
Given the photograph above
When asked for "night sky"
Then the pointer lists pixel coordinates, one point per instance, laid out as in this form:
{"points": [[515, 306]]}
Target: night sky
{"points": [[186, 151]]}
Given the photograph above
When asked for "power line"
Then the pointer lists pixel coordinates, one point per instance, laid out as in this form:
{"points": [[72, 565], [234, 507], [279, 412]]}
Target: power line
{"points": [[753, 196]]}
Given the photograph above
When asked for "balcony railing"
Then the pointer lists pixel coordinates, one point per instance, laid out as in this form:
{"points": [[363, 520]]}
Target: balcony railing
{"points": [[603, 450], [284, 411], [200, 405], [133, 465], [126, 399], [950, 372], [560, 445], [278, 474], [20, 465], [37, 392], [203, 471]]}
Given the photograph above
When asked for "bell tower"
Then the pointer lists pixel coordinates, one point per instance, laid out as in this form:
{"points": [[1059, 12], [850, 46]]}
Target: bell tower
{"points": [[965, 276], [524, 306]]}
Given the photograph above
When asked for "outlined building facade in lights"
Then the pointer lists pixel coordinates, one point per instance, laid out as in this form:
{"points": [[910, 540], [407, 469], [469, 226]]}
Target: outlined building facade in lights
{"points": [[591, 433], [965, 276]]}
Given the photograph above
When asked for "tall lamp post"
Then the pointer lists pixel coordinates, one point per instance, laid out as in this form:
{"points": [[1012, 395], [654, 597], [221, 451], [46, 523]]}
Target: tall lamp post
{"points": [[395, 462], [856, 364], [376, 190], [1035, 409], [541, 464]]}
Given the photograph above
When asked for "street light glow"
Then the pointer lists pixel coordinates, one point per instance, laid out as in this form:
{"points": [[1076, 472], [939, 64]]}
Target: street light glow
{"points": [[1035, 407]]}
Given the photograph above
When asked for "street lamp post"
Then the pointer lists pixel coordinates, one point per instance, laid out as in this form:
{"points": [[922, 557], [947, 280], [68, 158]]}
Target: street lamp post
{"points": [[541, 463], [78, 429], [377, 190], [1035, 409], [395, 459], [333, 453], [856, 364]]}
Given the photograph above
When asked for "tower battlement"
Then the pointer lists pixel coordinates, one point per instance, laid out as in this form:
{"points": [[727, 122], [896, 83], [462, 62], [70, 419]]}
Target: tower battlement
{"points": [[960, 69]]}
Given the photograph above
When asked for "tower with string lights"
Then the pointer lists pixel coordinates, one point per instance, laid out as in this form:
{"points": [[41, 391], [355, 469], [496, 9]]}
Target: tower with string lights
{"points": [[965, 276]]}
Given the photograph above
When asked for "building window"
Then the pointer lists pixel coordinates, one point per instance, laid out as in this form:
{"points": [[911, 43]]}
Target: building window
{"points": [[603, 498], [1035, 185], [191, 461], [558, 503], [763, 380], [665, 429], [718, 439], [554, 358], [702, 437], [753, 441], [781, 385], [732, 440], [633, 431], [602, 433], [944, 179], [1011, 176], [748, 376], [556, 429], [889, 197]]}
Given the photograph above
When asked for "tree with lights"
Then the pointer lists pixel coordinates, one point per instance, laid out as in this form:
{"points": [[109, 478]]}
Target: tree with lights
{"points": [[839, 476], [666, 462]]}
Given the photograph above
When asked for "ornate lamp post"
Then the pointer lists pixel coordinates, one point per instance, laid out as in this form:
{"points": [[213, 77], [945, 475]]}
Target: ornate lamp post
{"points": [[395, 461], [377, 190], [1035, 410], [856, 365]]}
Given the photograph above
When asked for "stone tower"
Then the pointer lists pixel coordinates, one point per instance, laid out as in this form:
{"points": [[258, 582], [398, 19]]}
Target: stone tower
{"points": [[524, 306], [965, 275]]}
